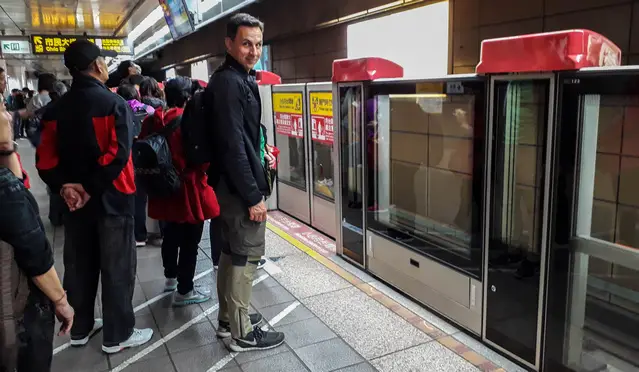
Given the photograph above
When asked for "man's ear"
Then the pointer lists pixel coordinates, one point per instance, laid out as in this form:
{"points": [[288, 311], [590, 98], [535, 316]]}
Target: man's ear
{"points": [[228, 42]]}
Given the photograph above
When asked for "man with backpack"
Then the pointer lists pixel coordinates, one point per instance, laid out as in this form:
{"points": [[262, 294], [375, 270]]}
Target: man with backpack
{"points": [[239, 173], [85, 154]]}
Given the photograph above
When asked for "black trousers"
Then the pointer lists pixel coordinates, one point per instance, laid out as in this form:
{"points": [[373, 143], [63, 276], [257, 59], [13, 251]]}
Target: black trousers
{"points": [[215, 238], [97, 245], [179, 252], [141, 199], [35, 334]]}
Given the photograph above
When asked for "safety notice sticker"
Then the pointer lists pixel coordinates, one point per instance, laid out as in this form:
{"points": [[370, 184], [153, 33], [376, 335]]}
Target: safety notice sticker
{"points": [[322, 117], [288, 114]]}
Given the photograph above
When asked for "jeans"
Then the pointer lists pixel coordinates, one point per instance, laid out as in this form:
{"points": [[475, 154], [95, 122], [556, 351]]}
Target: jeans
{"points": [[179, 253], [35, 334], [97, 244], [141, 199]]}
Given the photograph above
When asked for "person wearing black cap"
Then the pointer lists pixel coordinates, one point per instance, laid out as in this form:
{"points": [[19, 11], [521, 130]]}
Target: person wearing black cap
{"points": [[85, 154]]}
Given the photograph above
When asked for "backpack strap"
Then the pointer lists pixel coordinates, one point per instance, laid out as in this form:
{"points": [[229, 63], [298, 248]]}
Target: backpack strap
{"points": [[170, 127]]}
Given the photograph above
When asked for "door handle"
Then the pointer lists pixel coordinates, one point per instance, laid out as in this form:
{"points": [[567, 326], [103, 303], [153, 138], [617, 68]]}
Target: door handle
{"points": [[414, 263]]}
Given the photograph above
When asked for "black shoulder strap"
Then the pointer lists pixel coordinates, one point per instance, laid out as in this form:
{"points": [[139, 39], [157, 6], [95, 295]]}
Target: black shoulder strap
{"points": [[170, 127]]}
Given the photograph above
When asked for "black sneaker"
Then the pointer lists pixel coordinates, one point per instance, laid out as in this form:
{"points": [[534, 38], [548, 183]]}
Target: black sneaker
{"points": [[258, 340], [261, 264], [224, 328]]}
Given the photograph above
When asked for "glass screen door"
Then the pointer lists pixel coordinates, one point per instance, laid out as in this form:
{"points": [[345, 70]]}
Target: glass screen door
{"points": [[517, 221]]}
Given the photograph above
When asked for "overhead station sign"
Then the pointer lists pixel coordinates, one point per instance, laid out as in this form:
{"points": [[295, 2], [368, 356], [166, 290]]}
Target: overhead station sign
{"points": [[55, 44], [14, 47]]}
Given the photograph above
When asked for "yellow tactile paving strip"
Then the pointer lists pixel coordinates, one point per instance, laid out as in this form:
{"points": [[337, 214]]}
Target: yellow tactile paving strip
{"points": [[438, 335]]}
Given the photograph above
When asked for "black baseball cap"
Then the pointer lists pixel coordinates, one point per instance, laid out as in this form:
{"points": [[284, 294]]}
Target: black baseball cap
{"points": [[81, 53]]}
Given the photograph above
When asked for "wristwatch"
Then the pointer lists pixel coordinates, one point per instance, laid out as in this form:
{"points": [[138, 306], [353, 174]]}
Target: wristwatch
{"points": [[9, 152]]}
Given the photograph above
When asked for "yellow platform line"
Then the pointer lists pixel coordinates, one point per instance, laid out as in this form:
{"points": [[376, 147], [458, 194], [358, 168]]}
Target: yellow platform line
{"points": [[437, 334]]}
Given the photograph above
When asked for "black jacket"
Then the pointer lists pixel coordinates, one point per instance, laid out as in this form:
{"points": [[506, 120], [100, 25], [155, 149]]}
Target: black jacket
{"points": [[154, 102], [86, 138], [234, 106]]}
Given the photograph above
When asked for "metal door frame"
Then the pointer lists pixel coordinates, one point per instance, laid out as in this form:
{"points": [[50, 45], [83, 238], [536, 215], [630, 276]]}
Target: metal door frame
{"points": [[545, 225], [321, 87], [337, 118], [296, 88]]}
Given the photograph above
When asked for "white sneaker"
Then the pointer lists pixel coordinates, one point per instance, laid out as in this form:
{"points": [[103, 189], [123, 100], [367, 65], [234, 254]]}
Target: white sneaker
{"points": [[140, 244], [97, 326], [198, 295], [170, 284], [138, 337]]}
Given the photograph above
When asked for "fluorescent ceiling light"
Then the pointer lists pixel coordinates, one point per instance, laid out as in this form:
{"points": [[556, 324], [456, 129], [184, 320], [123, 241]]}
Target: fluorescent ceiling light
{"points": [[146, 23]]}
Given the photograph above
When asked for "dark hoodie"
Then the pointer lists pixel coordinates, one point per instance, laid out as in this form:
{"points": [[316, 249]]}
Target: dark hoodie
{"points": [[156, 103]]}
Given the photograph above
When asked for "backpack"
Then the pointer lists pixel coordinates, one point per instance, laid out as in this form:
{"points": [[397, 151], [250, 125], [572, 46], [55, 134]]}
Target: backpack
{"points": [[138, 118], [195, 134], [154, 168]]}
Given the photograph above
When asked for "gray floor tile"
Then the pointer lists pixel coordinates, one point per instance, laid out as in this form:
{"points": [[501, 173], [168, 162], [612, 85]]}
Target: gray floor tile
{"points": [[143, 321], [203, 265], [328, 355], [365, 324], [86, 359], [162, 364], [169, 318], [196, 335], [299, 313], [233, 369], [304, 277], [484, 350], [270, 296], [153, 288], [201, 358], [285, 362], [362, 367], [266, 283], [306, 332], [243, 358], [418, 309], [432, 357]]}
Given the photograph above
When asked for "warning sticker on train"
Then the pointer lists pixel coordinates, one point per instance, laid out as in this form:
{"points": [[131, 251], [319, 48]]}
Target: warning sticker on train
{"points": [[322, 117], [288, 114]]}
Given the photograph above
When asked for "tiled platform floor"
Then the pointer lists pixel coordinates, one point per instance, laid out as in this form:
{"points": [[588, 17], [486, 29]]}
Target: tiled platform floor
{"points": [[330, 324]]}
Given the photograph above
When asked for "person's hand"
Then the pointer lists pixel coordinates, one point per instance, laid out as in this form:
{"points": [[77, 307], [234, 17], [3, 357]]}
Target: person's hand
{"points": [[65, 314], [74, 196], [270, 159], [257, 212]]}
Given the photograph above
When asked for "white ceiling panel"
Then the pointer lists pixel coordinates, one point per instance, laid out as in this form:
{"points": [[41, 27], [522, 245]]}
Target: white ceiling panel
{"points": [[95, 17]]}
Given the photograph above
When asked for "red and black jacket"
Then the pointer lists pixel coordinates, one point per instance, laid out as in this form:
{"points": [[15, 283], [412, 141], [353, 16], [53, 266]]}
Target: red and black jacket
{"points": [[86, 139]]}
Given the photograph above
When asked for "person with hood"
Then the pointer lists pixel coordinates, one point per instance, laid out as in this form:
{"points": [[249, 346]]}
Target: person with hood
{"points": [[152, 94], [187, 209]]}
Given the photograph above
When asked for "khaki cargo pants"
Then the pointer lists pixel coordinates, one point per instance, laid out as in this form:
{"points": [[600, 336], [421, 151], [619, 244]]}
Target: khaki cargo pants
{"points": [[242, 245]]}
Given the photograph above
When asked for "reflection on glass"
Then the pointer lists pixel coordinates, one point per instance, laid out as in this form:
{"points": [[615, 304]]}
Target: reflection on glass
{"points": [[323, 170], [352, 188], [420, 159], [604, 315], [292, 166]]}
